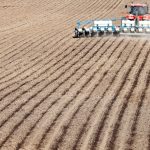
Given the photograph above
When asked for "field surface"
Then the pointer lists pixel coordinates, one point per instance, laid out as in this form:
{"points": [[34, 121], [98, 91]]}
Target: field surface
{"points": [[57, 92]]}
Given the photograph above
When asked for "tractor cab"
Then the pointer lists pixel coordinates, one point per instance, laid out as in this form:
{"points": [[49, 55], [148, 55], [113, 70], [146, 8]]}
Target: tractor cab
{"points": [[138, 11]]}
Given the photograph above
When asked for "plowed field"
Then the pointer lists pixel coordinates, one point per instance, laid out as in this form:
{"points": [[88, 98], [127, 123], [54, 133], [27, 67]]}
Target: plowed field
{"points": [[57, 92]]}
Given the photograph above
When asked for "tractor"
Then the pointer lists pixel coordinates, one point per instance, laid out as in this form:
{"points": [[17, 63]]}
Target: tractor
{"points": [[136, 22]]}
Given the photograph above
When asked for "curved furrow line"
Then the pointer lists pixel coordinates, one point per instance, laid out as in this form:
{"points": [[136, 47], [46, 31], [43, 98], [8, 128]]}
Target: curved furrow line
{"points": [[97, 9], [68, 66], [83, 10], [8, 50], [103, 11], [27, 38], [11, 28], [15, 94], [110, 8], [87, 88], [14, 35], [65, 57], [16, 70], [24, 24], [65, 7], [56, 7], [92, 134], [47, 91], [25, 48], [103, 142], [20, 42], [83, 85], [28, 46], [26, 54], [24, 39], [91, 10], [141, 135], [148, 140], [131, 140], [69, 19], [103, 6], [123, 99], [23, 31], [21, 47], [18, 39], [38, 58], [135, 107], [91, 104], [61, 90], [43, 99], [44, 78], [48, 57], [88, 9], [7, 37], [78, 6]]}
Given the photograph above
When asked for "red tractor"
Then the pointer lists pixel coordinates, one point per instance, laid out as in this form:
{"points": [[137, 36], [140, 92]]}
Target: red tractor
{"points": [[138, 11]]}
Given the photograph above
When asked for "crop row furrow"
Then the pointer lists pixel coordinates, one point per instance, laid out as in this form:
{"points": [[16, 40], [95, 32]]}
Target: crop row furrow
{"points": [[92, 103], [93, 133]]}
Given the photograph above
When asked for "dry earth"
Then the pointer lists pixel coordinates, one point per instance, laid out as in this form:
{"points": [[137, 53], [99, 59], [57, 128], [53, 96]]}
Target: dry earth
{"points": [[57, 92]]}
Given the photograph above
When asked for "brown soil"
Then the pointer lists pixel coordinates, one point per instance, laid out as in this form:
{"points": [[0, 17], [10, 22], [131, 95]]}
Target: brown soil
{"points": [[57, 92]]}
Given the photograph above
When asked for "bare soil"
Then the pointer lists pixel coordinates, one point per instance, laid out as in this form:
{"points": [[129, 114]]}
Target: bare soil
{"points": [[57, 92]]}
